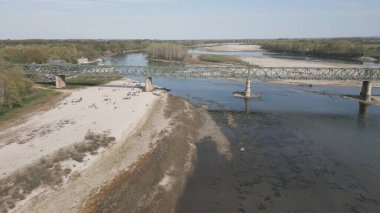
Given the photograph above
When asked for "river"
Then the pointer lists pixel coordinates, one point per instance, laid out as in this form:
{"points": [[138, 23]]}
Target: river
{"points": [[297, 149]]}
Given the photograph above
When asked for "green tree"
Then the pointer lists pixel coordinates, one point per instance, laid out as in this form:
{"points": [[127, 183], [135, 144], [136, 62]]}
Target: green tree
{"points": [[14, 98]]}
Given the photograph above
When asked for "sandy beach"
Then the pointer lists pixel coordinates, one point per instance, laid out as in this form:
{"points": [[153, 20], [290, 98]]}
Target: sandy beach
{"points": [[234, 47], [274, 62], [161, 149], [95, 108], [108, 109], [282, 62]]}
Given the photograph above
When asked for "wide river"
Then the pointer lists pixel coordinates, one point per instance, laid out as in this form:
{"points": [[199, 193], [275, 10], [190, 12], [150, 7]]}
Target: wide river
{"points": [[306, 149]]}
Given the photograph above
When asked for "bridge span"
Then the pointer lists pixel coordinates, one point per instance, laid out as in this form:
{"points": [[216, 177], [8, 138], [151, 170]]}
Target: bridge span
{"points": [[366, 75]]}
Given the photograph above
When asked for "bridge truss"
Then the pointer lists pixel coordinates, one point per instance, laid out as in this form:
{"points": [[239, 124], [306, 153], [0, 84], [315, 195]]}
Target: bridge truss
{"points": [[239, 72]]}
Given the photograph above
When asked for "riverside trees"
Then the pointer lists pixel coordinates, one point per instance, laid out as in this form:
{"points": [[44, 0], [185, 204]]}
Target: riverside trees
{"points": [[13, 87], [167, 51], [39, 51], [339, 48]]}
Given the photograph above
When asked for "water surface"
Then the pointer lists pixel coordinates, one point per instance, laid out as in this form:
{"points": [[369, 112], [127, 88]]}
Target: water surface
{"points": [[297, 149]]}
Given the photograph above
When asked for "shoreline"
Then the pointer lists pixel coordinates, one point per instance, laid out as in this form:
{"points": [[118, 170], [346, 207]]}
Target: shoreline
{"points": [[162, 149], [166, 168]]}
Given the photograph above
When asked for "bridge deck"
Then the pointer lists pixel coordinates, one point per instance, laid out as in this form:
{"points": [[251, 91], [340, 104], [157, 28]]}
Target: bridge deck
{"points": [[264, 73]]}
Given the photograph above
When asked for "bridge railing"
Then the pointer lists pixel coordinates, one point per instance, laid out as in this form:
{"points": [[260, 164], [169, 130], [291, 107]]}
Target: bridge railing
{"points": [[265, 73]]}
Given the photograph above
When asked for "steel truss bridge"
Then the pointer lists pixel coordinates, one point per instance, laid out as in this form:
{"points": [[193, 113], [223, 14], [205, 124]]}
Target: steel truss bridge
{"points": [[239, 72]]}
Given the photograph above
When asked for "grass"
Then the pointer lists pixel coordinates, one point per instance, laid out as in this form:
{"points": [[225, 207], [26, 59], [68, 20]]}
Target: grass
{"points": [[78, 82], [48, 171], [39, 99], [221, 59], [374, 53]]}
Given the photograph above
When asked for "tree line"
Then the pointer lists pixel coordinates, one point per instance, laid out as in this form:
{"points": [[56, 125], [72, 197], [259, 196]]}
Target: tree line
{"points": [[40, 51], [339, 48]]}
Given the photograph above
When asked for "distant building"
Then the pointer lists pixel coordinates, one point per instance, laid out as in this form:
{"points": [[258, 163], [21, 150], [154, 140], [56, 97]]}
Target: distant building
{"points": [[82, 60]]}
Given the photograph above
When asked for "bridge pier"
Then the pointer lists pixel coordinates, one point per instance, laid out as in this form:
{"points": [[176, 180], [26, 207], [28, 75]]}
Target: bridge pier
{"points": [[148, 84], [366, 92], [60, 81], [248, 88]]}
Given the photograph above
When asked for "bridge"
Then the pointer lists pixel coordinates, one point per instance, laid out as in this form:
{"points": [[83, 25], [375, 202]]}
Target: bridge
{"points": [[367, 75]]}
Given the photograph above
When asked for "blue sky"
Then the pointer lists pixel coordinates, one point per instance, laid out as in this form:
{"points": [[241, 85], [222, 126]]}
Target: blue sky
{"points": [[188, 19]]}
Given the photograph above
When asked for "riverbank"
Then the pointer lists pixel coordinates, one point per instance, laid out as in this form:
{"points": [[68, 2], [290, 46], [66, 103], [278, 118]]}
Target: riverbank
{"points": [[110, 110], [156, 182], [274, 61], [234, 48], [282, 62], [147, 172]]}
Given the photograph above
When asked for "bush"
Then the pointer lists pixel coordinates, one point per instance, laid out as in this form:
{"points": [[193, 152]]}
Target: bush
{"points": [[14, 98], [77, 156], [13, 87]]}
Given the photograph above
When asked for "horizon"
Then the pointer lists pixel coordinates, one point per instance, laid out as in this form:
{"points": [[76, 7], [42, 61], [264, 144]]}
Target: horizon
{"points": [[210, 39], [185, 20]]}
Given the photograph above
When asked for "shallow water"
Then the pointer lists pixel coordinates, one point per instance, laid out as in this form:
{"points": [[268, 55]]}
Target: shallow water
{"points": [[297, 149], [306, 149], [290, 163]]}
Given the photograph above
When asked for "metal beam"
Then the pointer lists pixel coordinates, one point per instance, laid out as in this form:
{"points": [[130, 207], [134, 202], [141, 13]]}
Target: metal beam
{"points": [[241, 72]]}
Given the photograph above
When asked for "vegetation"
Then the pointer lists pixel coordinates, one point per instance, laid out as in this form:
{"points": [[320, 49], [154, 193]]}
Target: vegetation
{"points": [[30, 102], [48, 171], [221, 59], [166, 51], [40, 51], [339, 48], [80, 81], [13, 88]]}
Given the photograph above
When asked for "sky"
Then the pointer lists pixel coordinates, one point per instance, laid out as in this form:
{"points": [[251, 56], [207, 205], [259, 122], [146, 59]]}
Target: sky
{"points": [[188, 19]]}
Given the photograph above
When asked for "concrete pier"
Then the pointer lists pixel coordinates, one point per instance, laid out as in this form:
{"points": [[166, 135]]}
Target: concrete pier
{"points": [[148, 84], [248, 88], [366, 92], [60, 81]]}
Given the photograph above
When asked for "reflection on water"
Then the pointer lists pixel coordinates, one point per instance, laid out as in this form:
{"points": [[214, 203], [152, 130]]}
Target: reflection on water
{"points": [[130, 59], [247, 102]]}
